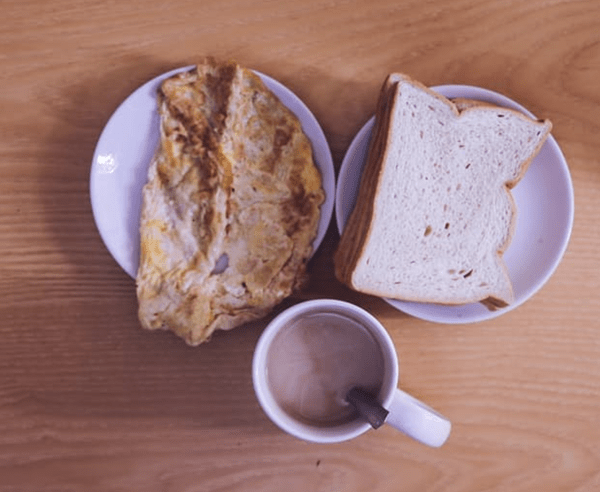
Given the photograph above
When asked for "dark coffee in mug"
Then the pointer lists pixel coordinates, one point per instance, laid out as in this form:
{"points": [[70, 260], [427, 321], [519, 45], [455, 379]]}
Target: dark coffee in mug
{"points": [[315, 360]]}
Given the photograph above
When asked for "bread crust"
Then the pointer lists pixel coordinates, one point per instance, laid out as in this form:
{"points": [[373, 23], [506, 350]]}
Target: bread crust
{"points": [[355, 233]]}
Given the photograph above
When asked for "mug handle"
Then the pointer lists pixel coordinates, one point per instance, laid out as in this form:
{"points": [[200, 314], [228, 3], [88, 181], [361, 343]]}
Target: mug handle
{"points": [[417, 420]]}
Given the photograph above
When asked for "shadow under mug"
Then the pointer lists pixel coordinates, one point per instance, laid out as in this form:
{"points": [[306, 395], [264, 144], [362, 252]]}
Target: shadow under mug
{"points": [[407, 414]]}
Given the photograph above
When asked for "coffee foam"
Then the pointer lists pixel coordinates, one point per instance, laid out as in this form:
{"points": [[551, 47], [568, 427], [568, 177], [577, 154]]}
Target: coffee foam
{"points": [[315, 360]]}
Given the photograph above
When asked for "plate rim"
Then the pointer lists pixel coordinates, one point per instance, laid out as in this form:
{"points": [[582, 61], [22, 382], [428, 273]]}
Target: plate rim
{"points": [[416, 309]]}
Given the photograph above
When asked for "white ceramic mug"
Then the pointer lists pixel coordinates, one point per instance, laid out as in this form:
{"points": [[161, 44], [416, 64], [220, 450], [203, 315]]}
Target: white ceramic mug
{"points": [[406, 413]]}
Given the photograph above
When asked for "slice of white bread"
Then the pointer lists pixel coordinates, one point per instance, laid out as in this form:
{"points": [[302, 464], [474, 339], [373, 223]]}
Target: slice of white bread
{"points": [[434, 213]]}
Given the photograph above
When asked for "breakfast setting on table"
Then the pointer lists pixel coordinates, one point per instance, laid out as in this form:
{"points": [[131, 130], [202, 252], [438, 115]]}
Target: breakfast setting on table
{"points": [[255, 255]]}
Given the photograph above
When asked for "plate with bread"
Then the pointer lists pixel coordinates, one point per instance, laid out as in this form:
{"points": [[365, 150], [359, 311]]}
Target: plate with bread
{"points": [[454, 203], [212, 185]]}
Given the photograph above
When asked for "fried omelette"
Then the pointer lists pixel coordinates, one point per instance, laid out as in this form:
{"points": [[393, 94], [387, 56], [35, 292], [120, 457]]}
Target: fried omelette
{"points": [[231, 206]]}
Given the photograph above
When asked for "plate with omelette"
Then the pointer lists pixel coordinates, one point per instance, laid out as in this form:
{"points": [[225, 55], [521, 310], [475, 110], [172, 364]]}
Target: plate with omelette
{"points": [[212, 185]]}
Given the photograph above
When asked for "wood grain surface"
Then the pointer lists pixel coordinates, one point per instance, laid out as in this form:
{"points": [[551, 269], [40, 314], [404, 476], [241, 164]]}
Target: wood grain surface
{"points": [[90, 402]]}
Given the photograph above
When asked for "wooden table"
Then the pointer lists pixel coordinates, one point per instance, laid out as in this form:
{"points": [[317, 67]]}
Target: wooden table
{"points": [[89, 401]]}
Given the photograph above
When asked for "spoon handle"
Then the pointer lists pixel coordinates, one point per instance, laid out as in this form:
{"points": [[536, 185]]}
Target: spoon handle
{"points": [[367, 406]]}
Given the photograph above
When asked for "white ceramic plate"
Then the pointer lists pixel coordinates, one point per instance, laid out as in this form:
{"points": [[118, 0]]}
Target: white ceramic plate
{"points": [[126, 146], [545, 204]]}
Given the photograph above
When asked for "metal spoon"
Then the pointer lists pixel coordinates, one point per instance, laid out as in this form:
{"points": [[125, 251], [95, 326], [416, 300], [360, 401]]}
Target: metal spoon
{"points": [[367, 406]]}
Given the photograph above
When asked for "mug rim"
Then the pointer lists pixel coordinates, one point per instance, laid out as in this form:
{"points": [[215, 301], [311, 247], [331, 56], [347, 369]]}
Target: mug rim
{"points": [[301, 430]]}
